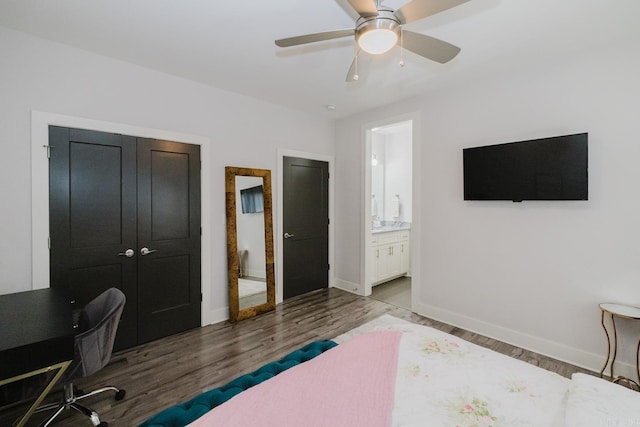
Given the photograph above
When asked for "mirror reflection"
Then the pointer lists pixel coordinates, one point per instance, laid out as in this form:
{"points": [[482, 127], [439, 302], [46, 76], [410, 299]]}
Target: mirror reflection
{"points": [[252, 274], [250, 255]]}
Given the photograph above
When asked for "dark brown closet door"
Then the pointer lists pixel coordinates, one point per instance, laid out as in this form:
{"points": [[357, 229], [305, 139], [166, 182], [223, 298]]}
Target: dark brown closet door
{"points": [[169, 228], [125, 212], [92, 218]]}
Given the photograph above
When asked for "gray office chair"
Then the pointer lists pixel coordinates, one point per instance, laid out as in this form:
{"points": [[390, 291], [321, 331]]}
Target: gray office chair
{"points": [[98, 323]]}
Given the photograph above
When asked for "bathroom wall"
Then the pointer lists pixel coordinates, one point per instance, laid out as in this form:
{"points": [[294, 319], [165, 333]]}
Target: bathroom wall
{"points": [[398, 172], [392, 175], [377, 175]]}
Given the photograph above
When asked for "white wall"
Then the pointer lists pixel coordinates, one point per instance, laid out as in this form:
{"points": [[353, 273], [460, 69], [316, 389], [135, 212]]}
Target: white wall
{"points": [[392, 175], [398, 173], [378, 173], [50, 77], [530, 273]]}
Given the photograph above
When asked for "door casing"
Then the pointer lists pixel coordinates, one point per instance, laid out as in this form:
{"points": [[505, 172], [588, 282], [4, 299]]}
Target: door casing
{"points": [[366, 250]]}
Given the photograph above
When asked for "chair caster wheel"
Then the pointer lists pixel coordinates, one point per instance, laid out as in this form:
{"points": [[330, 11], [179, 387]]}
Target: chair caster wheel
{"points": [[120, 394]]}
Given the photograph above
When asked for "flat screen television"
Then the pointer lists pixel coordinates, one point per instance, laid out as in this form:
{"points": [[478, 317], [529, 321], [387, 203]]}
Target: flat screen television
{"points": [[252, 200], [541, 169]]}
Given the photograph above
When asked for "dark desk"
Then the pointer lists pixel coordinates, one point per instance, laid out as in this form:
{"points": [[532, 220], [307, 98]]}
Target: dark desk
{"points": [[36, 336]]}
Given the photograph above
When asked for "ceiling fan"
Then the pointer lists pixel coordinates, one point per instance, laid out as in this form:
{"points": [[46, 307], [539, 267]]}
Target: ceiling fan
{"points": [[379, 28]]}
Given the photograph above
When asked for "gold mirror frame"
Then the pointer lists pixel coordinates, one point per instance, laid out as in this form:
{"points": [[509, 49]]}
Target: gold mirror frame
{"points": [[235, 313]]}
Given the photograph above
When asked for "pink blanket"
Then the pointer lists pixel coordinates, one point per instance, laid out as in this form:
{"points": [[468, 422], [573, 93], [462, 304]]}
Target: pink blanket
{"points": [[350, 385]]}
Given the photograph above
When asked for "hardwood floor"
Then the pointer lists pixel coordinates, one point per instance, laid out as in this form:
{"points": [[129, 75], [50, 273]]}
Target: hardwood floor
{"points": [[174, 369]]}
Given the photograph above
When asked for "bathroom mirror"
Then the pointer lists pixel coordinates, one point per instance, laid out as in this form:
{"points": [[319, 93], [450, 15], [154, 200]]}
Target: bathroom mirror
{"points": [[250, 257]]}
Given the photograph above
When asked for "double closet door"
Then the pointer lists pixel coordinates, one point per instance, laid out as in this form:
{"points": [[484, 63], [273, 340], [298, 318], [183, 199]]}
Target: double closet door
{"points": [[125, 212]]}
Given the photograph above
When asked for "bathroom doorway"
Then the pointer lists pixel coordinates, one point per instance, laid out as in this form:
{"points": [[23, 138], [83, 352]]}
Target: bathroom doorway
{"points": [[390, 207]]}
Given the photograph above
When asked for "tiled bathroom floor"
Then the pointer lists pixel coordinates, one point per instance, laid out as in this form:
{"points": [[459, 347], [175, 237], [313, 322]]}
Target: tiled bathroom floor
{"points": [[396, 292]]}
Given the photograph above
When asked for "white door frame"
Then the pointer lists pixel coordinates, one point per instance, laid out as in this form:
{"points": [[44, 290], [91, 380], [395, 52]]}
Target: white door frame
{"points": [[366, 250], [40, 122], [282, 153]]}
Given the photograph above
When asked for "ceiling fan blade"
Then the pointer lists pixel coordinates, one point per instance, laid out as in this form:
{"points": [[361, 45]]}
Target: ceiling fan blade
{"points": [[418, 9], [429, 47], [364, 7], [316, 37], [363, 66]]}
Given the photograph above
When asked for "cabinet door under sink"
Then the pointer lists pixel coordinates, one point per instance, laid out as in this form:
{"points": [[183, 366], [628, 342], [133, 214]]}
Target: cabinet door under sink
{"points": [[391, 256]]}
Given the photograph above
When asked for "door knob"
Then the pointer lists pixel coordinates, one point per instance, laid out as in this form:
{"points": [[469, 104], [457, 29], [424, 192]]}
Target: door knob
{"points": [[288, 236], [147, 251], [128, 253]]}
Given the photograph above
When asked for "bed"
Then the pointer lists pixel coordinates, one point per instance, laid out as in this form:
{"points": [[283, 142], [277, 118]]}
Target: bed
{"points": [[390, 372]]}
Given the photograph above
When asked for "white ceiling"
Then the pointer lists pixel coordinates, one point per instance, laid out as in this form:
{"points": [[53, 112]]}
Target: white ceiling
{"points": [[230, 44]]}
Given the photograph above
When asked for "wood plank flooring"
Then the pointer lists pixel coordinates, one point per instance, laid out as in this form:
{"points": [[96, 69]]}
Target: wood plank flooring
{"points": [[174, 369]]}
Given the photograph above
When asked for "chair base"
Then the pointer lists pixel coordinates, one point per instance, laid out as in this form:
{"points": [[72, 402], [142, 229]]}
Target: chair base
{"points": [[70, 401]]}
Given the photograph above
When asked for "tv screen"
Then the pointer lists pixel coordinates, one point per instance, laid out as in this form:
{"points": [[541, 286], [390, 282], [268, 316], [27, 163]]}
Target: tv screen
{"points": [[541, 169], [252, 200]]}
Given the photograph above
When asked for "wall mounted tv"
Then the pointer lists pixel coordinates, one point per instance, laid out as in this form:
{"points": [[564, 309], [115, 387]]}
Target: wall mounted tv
{"points": [[541, 169]]}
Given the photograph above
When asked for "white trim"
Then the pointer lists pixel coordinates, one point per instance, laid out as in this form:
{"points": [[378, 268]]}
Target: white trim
{"points": [[40, 122], [416, 217], [555, 350], [365, 243], [352, 287], [216, 316], [278, 232]]}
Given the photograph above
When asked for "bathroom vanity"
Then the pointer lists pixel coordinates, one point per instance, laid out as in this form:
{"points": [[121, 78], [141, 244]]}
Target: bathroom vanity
{"points": [[391, 252]]}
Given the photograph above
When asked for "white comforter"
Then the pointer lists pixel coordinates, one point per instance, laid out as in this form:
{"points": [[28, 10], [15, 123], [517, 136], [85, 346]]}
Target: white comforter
{"points": [[445, 381]]}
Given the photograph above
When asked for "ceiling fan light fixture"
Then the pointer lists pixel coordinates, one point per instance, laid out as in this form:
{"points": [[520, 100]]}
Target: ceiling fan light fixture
{"points": [[377, 36], [377, 41]]}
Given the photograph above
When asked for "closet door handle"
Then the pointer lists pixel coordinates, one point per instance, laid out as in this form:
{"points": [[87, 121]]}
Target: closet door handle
{"points": [[288, 236], [128, 253], [147, 251]]}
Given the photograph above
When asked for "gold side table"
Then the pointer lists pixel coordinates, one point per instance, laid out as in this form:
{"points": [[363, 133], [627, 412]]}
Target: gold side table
{"points": [[626, 312]]}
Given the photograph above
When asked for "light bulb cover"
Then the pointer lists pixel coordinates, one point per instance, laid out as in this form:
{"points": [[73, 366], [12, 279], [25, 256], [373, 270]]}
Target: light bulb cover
{"points": [[377, 41], [377, 36]]}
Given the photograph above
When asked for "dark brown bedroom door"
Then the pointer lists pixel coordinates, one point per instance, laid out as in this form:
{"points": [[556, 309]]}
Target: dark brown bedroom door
{"points": [[306, 226], [112, 195]]}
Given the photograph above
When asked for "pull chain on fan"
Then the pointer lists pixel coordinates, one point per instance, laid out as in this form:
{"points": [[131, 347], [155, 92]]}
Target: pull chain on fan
{"points": [[401, 49], [355, 77]]}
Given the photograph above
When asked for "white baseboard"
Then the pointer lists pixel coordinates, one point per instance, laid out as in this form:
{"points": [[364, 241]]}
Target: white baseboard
{"points": [[558, 351], [210, 317], [345, 285]]}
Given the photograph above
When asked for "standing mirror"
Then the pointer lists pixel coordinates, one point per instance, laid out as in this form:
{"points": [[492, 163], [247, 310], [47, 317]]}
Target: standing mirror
{"points": [[249, 242]]}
